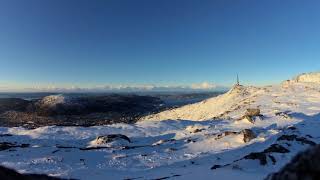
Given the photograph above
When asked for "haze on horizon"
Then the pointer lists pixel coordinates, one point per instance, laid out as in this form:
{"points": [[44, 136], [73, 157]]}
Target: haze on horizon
{"points": [[141, 44]]}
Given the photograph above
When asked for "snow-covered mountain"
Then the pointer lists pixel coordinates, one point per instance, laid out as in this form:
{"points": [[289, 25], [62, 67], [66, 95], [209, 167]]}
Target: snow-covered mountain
{"points": [[247, 133]]}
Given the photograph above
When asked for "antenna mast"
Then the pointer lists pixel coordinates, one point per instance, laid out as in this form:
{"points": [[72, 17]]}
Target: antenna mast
{"points": [[238, 82]]}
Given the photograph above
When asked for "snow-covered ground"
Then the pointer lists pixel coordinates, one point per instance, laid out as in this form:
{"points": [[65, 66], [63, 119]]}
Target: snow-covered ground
{"points": [[203, 140]]}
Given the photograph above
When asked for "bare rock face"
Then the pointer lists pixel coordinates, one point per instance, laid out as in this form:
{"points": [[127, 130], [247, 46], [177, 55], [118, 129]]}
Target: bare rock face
{"points": [[303, 166]]}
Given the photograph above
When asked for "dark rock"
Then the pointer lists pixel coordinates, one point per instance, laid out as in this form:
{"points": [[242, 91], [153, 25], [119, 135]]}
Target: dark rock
{"points": [[8, 145], [248, 135], [294, 137], [292, 128], [273, 159], [262, 156], [112, 137], [5, 135], [283, 114], [216, 167], [303, 166], [9, 174], [257, 156], [276, 148], [226, 133]]}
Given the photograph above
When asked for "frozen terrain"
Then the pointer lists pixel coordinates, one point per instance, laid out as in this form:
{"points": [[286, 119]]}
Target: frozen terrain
{"points": [[213, 139]]}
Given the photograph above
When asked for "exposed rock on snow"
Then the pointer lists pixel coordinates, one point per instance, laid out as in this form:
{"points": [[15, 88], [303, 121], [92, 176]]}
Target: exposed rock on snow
{"points": [[294, 137], [248, 135], [195, 128], [111, 140], [265, 154], [303, 166], [253, 112]]}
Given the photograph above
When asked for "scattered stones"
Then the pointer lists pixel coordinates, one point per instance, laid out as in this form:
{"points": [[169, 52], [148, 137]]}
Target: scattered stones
{"points": [[190, 140], [194, 128], [226, 133], [283, 115], [248, 134]]}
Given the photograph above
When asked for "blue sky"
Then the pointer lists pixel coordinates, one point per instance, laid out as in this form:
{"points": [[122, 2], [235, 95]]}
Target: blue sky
{"points": [[160, 42]]}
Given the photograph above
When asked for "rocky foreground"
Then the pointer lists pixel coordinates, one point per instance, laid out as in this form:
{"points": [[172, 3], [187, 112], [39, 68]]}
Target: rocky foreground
{"points": [[247, 133]]}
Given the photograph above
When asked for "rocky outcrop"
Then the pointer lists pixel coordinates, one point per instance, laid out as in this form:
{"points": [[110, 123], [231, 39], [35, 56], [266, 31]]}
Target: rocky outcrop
{"points": [[294, 137], [253, 112], [303, 166], [251, 115], [248, 135]]}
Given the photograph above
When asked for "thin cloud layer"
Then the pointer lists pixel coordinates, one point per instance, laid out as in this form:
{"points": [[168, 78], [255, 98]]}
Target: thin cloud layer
{"points": [[205, 86]]}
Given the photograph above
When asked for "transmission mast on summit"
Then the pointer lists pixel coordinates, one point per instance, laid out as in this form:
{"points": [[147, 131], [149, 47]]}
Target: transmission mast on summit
{"points": [[238, 82]]}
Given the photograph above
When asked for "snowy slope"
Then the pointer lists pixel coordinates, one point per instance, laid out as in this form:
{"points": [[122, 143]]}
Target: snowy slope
{"points": [[211, 108], [308, 78], [210, 135]]}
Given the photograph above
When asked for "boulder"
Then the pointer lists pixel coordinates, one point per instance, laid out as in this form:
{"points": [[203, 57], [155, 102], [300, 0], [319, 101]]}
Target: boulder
{"points": [[248, 135], [253, 112], [111, 140]]}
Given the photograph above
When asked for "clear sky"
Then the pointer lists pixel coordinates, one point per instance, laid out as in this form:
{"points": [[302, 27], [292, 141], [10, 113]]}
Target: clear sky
{"points": [[161, 42]]}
